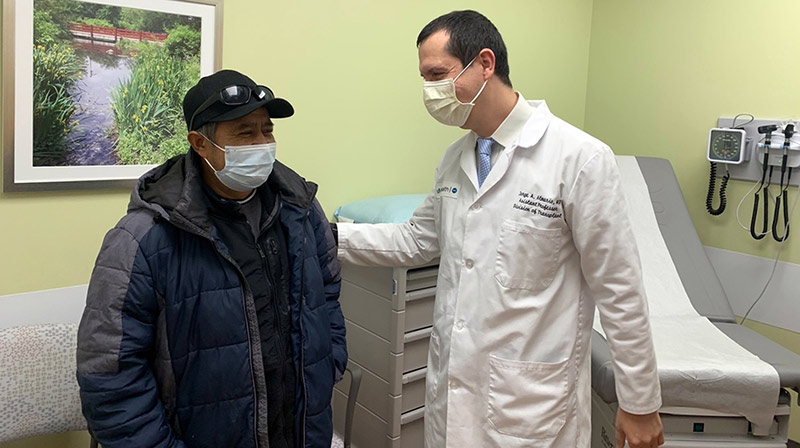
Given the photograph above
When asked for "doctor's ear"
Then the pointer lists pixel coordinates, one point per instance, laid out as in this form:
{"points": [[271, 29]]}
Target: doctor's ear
{"points": [[487, 60]]}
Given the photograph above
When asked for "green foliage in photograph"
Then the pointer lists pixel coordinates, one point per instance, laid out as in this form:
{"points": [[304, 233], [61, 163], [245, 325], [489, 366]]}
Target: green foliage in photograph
{"points": [[64, 12], [108, 13], [55, 71], [154, 22], [97, 22], [45, 30], [129, 46], [183, 42], [148, 106], [131, 143]]}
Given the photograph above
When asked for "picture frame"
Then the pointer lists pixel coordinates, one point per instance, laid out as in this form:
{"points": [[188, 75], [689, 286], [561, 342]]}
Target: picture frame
{"points": [[92, 89]]}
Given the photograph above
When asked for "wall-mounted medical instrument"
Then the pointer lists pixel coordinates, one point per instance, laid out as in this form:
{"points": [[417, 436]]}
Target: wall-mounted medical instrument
{"points": [[778, 148], [762, 151], [763, 186], [724, 146], [783, 194]]}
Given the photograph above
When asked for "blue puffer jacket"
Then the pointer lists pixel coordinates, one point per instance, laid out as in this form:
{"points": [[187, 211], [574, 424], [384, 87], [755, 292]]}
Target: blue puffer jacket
{"points": [[168, 347]]}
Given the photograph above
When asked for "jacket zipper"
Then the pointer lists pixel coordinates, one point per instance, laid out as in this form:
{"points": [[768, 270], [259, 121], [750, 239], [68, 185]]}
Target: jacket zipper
{"points": [[275, 306], [245, 289], [302, 305]]}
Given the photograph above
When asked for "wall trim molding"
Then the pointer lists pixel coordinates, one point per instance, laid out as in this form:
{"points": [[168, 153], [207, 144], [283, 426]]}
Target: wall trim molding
{"points": [[743, 277], [60, 305]]}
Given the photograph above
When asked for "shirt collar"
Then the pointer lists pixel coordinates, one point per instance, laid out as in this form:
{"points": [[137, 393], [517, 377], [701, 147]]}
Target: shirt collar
{"points": [[512, 126], [535, 128]]}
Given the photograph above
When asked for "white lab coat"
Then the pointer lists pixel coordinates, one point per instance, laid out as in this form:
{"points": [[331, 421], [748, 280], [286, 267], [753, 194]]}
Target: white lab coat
{"points": [[524, 260]]}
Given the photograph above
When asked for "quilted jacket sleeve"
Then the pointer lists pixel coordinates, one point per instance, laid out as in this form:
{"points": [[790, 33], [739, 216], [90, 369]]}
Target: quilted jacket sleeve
{"points": [[116, 336], [331, 272]]}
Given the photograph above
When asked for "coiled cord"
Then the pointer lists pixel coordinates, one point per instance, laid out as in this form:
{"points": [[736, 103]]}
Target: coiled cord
{"points": [[712, 185]]}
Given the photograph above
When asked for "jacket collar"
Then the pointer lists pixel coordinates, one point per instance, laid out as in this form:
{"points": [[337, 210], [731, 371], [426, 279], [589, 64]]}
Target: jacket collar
{"points": [[292, 187], [174, 191]]}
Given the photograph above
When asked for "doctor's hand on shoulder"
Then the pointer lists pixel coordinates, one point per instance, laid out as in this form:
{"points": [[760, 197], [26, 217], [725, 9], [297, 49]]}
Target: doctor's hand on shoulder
{"points": [[640, 431]]}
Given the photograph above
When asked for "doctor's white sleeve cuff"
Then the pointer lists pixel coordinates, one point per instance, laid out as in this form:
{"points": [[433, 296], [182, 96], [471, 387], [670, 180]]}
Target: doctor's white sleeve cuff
{"points": [[639, 410], [403, 244]]}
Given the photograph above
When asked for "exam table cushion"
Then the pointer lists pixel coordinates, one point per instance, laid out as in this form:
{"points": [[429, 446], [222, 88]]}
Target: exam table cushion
{"points": [[785, 362], [699, 280], [687, 252]]}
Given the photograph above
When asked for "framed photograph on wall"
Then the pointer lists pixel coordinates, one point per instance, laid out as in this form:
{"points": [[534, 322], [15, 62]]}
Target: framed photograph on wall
{"points": [[93, 89]]}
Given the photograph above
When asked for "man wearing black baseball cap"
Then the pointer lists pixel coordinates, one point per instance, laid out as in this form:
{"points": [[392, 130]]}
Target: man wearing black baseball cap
{"points": [[212, 317]]}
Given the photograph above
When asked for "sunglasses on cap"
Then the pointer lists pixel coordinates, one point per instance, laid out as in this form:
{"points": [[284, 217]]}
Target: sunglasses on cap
{"points": [[235, 95]]}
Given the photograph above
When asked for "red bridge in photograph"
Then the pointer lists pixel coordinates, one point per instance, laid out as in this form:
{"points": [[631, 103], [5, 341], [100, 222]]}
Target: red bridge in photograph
{"points": [[109, 34]]}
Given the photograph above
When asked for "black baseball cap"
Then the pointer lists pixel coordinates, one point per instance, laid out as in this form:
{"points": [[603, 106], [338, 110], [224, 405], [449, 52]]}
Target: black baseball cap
{"points": [[212, 86]]}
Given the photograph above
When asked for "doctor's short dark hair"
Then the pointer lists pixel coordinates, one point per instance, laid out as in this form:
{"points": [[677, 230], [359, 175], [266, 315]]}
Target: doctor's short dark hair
{"points": [[470, 32]]}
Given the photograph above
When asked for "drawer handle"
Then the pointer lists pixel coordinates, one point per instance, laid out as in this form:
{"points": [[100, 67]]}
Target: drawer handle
{"points": [[416, 335], [418, 374], [412, 416], [421, 294], [417, 274]]}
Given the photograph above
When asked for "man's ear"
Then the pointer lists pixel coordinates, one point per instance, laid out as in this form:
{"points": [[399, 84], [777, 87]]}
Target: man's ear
{"points": [[487, 60], [199, 143]]}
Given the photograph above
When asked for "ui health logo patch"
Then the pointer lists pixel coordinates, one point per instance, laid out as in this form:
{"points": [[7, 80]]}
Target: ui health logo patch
{"points": [[447, 190]]}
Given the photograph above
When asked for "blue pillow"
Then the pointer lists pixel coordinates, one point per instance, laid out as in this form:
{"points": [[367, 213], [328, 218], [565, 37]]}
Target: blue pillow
{"points": [[387, 209]]}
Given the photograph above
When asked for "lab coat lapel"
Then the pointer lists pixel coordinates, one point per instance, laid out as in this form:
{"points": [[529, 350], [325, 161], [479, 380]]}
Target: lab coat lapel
{"points": [[498, 170], [531, 135], [468, 165]]}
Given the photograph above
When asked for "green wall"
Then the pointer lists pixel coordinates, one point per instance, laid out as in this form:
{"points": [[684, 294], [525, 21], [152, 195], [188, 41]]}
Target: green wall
{"points": [[350, 68], [361, 130], [661, 73]]}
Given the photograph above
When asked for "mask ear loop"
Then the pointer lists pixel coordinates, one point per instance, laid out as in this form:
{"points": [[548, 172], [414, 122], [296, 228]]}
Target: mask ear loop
{"points": [[465, 69], [212, 142], [479, 91], [210, 165], [216, 146]]}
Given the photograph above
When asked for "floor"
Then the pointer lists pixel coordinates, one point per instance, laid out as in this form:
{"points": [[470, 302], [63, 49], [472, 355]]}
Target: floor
{"points": [[337, 441]]}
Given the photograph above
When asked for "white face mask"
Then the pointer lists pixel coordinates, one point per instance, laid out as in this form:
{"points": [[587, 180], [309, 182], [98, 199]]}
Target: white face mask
{"points": [[443, 104], [246, 167]]}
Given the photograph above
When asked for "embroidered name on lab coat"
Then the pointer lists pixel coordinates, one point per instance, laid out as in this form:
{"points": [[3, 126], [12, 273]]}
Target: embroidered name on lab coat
{"points": [[447, 190], [539, 205]]}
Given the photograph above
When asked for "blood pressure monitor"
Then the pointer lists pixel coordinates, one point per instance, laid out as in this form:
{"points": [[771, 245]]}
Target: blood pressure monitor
{"points": [[726, 145]]}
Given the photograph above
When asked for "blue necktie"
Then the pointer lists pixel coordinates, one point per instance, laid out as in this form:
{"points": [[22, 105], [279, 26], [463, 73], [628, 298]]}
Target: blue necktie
{"points": [[484, 159]]}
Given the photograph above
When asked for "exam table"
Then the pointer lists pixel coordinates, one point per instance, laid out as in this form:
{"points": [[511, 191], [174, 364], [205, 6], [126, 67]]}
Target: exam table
{"points": [[694, 426]]}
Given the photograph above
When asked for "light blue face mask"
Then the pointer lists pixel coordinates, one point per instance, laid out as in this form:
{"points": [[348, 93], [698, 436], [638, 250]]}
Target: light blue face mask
{"points": [[246, 167]]}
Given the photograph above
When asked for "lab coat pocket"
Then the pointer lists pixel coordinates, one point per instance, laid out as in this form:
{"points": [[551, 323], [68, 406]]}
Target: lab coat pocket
{"points": [[528, 400], [527, 256]]}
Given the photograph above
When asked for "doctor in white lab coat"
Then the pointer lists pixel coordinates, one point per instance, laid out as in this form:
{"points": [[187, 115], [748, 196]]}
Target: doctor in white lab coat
{"points": [[532, 231]]}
